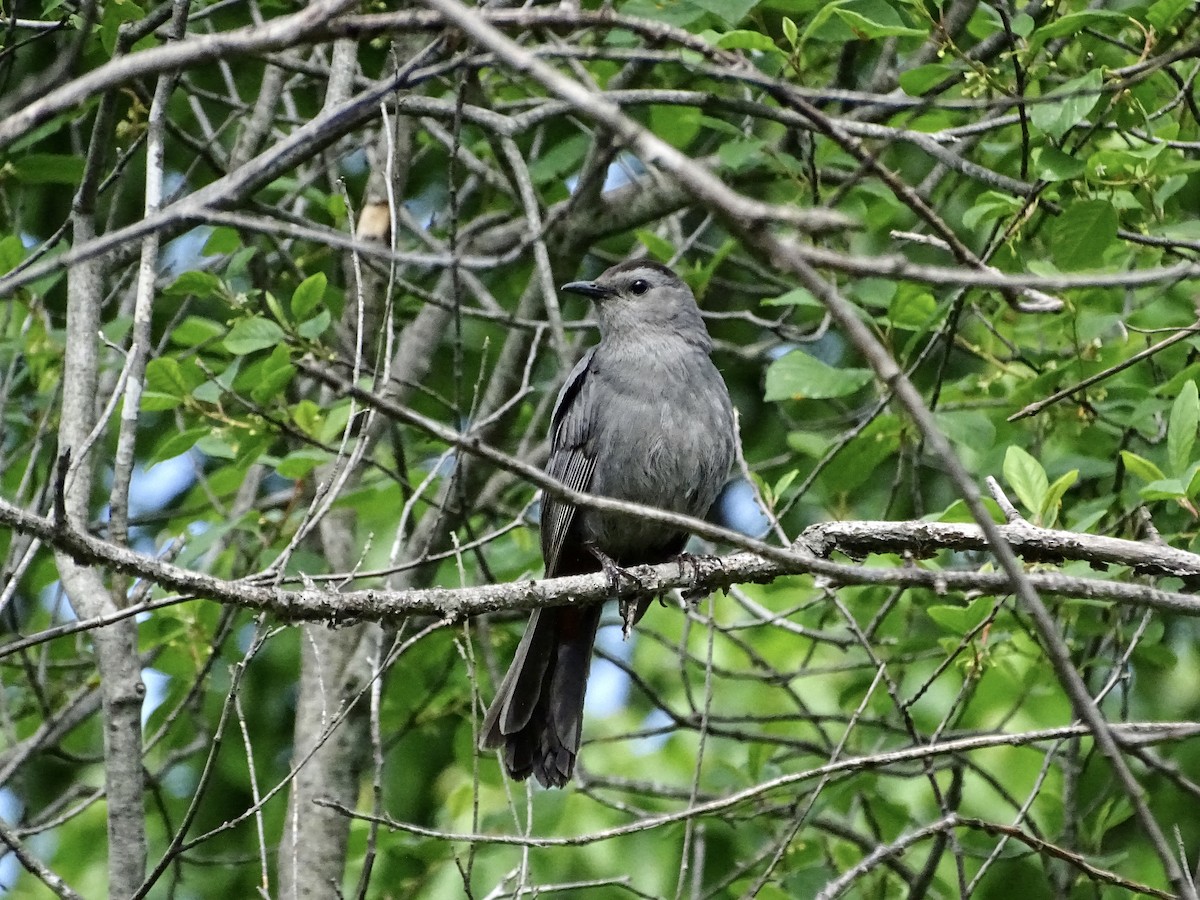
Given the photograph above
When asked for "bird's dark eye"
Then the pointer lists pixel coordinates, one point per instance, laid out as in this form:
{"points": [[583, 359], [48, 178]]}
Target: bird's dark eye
{"points": [[639, 287]]}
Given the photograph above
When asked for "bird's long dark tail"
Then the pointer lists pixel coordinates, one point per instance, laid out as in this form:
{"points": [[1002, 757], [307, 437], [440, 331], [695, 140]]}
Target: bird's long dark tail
{"points": [[537, 715]]}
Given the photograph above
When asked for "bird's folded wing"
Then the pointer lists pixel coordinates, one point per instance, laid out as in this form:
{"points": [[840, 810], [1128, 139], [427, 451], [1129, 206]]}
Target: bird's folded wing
{"points": [[572, 460]]}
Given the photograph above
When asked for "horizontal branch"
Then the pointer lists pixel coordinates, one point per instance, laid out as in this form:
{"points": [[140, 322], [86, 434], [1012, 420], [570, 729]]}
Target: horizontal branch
{"points": [[1139, 733], [317, 23], [701, 574], [1033, 544], [759, 563]]}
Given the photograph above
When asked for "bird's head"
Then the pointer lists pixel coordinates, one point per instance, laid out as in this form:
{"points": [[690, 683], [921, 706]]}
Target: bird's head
{"points": [[643, 298]]}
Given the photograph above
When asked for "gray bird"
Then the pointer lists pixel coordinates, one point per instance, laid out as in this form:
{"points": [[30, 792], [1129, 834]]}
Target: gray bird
{"points": [[644, 416]]}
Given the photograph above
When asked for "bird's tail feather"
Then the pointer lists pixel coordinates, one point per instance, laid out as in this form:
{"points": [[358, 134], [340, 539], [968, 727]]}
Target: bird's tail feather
{"points": [[537, 715]]}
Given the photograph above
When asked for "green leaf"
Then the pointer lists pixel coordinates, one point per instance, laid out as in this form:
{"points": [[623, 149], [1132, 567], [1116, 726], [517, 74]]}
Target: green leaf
{"points": [[865, 28], [1168, 189], [798, 376], [806, 443], [115, 14], [299, 463], [804, 881], [860, 461], [790, 31], [1073, 24], [1181, 428], [215, 444], [334, 424], [1082, 234], [968, 429], [157, 401], [660, 248], [307, 416], [195, 284], [795, 297], [1048, 511], [166, 375], [677, 125], [308, 295], [876, 293], [962, 620], [784, 483], [557, 161], [48, 168], [1085, 516], [915, 82], [1026, 477], [818, 27], [1125, 164], [1162, 14], [746, 40], [958, 511], [193, 331], [952, 618], [1141, 467], [276, 374], [255, 333], [730, 11], [856, 20], [700, 277], [315, 327], [175, 444], [673, 12], [979, 611], [1051, 164], [1164, 489], [237, 266], [274, 306], [1156, 656], [250, 444], [214, 391], [335, 204], [744, 153], [12, 252], [222, 241], [1066, 106], [991, 205], [912, 309], [720, 126]]}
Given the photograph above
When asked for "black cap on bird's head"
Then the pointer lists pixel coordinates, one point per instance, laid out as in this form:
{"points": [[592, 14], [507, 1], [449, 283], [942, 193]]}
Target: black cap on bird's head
{"points": [[635, 277], [642, 295]]}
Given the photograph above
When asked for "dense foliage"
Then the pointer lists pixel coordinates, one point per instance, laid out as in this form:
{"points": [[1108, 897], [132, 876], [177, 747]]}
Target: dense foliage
{"points": [[272, 273]]}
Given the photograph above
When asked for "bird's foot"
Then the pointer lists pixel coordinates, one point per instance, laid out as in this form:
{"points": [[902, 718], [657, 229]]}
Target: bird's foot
{"points": [[630, 609], [691, 559], [612, 570]]}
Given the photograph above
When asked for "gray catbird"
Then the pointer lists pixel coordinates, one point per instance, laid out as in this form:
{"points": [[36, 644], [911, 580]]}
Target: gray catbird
{"points": [[644, 416]]}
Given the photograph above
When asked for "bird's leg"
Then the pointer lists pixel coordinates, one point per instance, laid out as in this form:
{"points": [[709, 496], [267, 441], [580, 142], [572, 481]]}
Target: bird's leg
{"points": [[693, 593], [609, 566], [631, 610]]}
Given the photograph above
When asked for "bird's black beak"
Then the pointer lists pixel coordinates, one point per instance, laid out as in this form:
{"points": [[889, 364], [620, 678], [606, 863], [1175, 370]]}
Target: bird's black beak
{"points": [[589, 289]]}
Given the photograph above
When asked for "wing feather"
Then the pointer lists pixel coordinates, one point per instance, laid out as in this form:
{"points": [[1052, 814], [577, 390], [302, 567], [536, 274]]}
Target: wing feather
{"points": [[572, 460]]}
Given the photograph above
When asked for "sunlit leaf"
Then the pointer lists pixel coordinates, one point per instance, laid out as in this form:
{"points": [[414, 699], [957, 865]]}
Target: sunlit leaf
{"points": [[255, 333], [1141, 467], [1181, 428], [1066, 105], [1082, 234], [798, 376], [1026, 477]]}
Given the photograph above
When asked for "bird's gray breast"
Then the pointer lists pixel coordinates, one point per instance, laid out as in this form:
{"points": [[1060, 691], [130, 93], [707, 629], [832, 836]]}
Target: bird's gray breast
{"points": [[663, 437]]}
